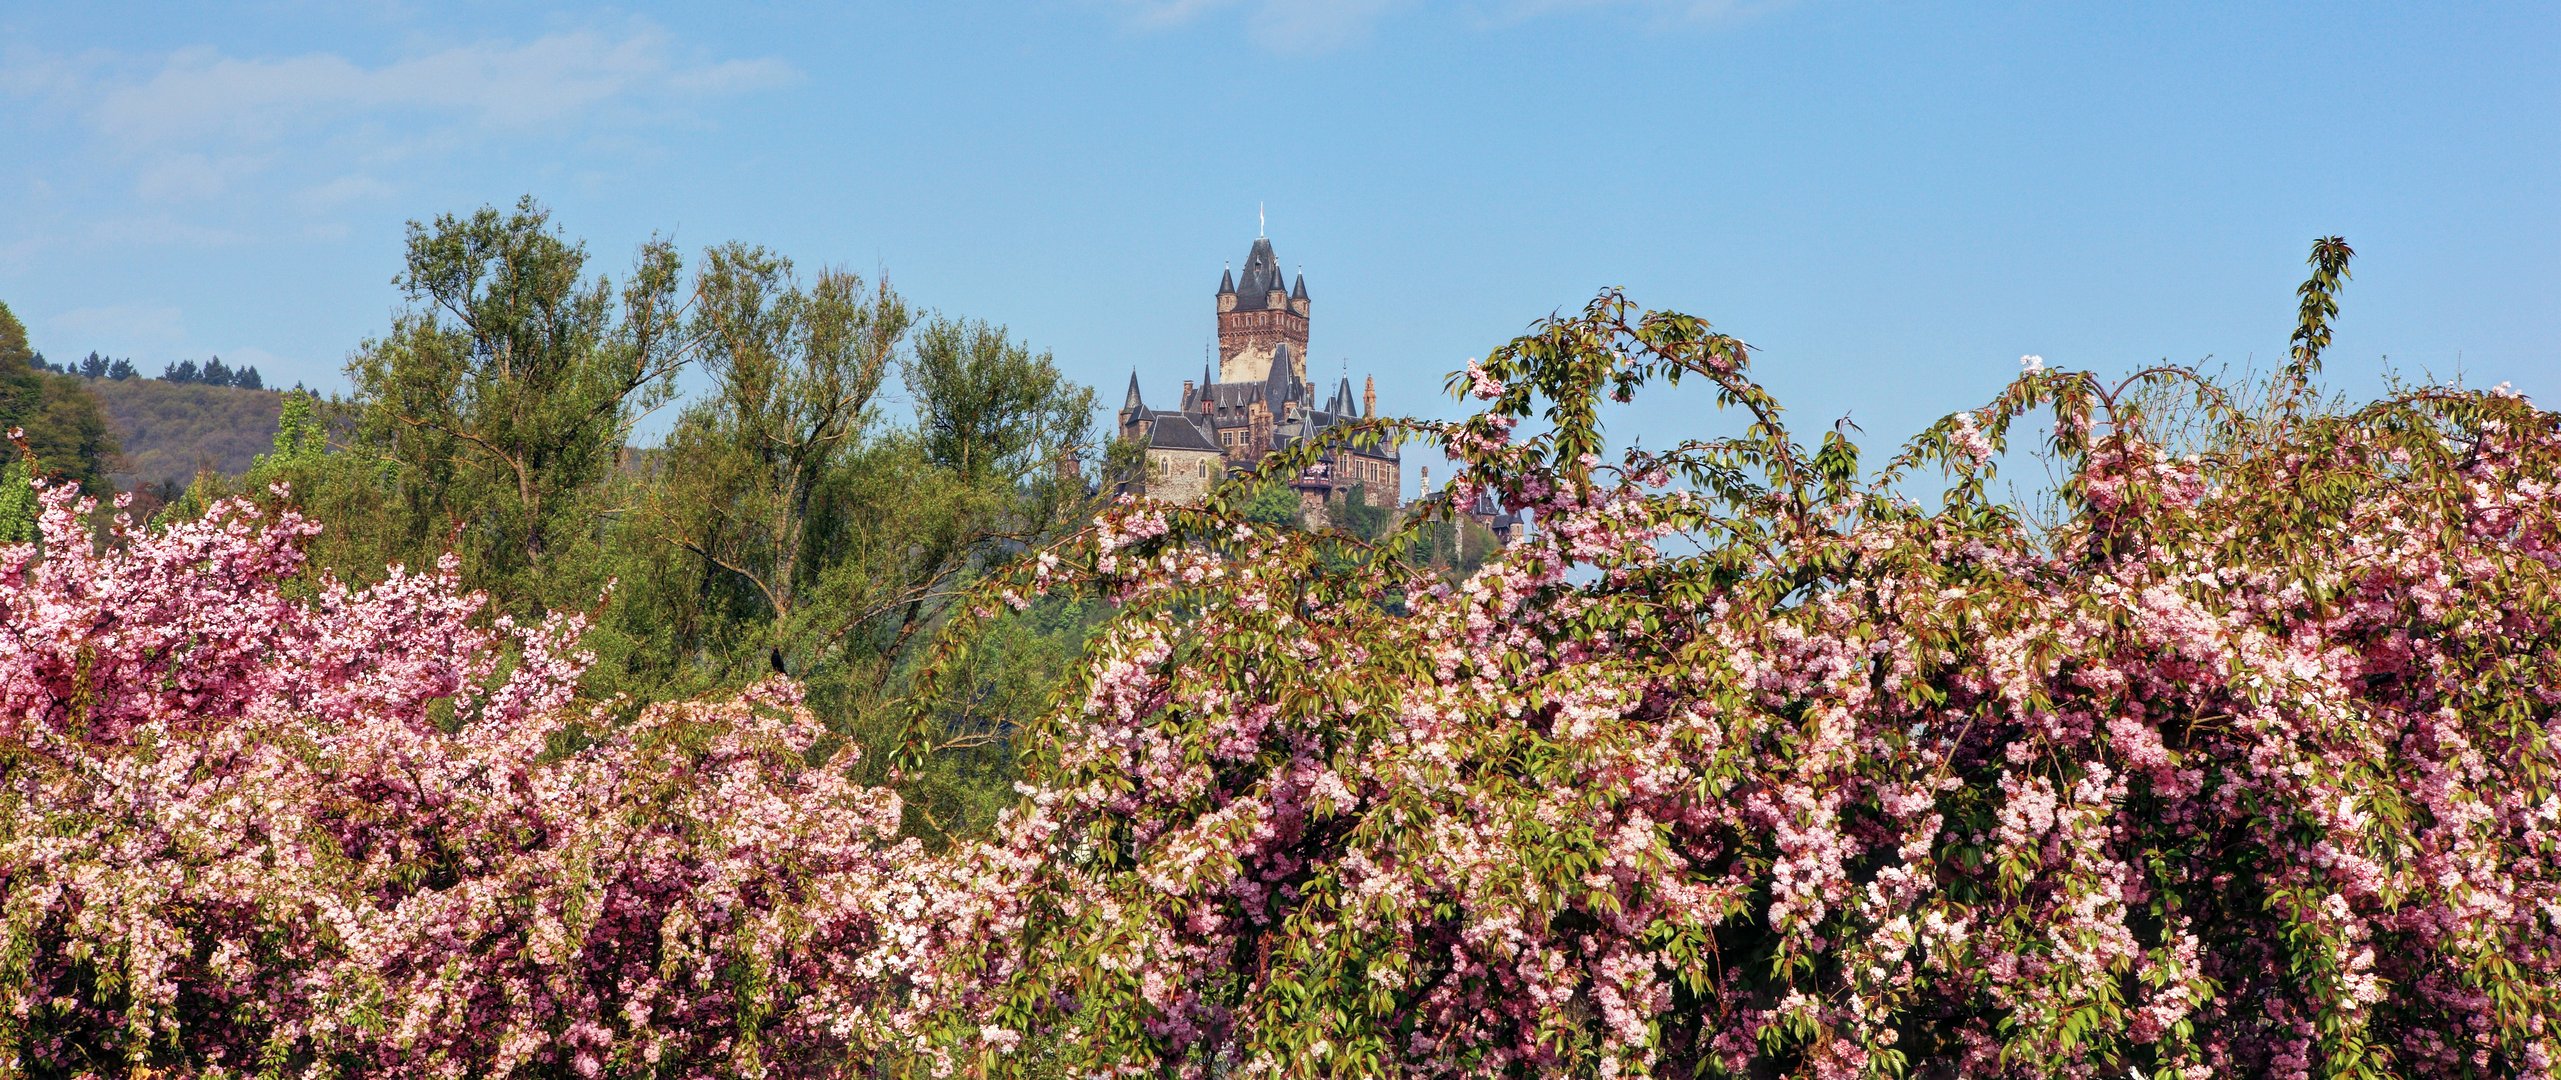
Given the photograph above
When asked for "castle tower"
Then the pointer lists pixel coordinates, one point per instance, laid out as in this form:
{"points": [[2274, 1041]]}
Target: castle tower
{"points": [[1258, 312]]}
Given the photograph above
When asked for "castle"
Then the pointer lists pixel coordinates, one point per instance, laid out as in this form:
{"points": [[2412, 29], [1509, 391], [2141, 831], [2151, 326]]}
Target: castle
{"points": [[1256, 399]]}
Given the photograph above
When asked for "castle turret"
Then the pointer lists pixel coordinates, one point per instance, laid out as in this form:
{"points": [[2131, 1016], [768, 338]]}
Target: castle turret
{"points": [[1369, 396], [1257, 313], [1278, 385]]}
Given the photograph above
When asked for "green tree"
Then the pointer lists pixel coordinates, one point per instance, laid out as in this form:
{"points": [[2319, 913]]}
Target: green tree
{"points": [[504, 393], [1359, 518], [62, 422], [301, 439], [17, 501], [787, 524], [987, 406], [1273, 503], [793, 373]]}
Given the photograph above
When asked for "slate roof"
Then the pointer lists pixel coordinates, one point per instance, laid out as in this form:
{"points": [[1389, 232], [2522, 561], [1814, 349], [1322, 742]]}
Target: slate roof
{"points": [[1175, 431], [1342, 402], [1262, 278]]}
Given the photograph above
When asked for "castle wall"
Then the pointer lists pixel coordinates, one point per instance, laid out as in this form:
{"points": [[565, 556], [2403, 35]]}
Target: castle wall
{"points": [[1247, 340], [1183, 476]]}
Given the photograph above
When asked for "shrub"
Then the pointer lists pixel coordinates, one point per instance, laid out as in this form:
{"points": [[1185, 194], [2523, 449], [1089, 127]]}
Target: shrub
{"points": [[244, 833], [2244, 768]]}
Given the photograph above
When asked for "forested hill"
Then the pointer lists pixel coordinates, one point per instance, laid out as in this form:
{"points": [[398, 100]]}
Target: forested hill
{"points": [[170, 431]]}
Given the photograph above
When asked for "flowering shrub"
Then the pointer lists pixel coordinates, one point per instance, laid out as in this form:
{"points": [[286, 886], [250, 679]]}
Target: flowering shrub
{"points": [[2245, 768], [1741, 765], [244, 833]]}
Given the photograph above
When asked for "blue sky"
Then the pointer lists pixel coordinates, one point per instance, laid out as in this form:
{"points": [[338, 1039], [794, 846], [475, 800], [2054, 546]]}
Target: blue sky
{"points": [[1893, 201]]}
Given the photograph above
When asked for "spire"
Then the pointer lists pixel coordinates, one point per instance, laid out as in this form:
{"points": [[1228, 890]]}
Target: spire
{"points": [[1226, 279], [1260, 277], [1299, 290], [1132, 401]]}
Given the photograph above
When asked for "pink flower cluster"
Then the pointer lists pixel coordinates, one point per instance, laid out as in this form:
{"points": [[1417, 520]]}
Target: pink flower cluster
{"points": [[2251, 767], [252, 824], [2248, 770]]}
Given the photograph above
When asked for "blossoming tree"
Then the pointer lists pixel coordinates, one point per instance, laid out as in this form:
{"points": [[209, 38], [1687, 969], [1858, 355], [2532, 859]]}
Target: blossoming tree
{"points": [[257, 826], [1746, 765]]}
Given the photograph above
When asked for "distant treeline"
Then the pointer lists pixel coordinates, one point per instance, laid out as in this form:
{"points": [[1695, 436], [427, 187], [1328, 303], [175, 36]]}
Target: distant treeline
{"points": [[212, 372]]}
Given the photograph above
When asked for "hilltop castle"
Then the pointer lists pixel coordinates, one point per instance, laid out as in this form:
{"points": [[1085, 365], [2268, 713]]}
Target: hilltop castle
{"points": [[1256, 399]]}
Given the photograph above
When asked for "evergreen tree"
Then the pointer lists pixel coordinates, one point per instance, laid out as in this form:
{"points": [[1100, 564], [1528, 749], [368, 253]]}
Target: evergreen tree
{"points": [[121, 369], [215, 373], [182, 372], [247, 379], [93, 365]]}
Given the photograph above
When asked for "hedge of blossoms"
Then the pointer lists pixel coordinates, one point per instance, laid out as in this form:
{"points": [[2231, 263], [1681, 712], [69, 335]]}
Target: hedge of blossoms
{"points": [[2246, 768], [244, 833], [1742, 766]]}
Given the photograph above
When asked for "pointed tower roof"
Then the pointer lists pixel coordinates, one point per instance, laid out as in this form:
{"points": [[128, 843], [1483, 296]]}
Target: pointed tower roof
{"points": [[1298, 289], [1262, 277], [1279, 383], [1226, 280], [1132, 401]]}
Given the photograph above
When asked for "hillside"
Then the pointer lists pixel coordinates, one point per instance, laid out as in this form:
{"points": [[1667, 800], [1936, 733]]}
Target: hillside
{"points": [[169, 431]]}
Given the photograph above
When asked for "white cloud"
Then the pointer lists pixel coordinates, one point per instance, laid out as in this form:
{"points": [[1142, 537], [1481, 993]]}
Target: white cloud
{"points": [[351, 188], [1291, 26], [198, 123], [164, 230], [1657, 11], [200, 95], [1309, 26], [189, 175], [1156, 13]]}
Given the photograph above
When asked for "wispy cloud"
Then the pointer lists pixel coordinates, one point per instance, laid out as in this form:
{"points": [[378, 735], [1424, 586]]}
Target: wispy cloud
{"points": [[200, 124], [1288, 26], [1315, 26], [1658, 12], [351, 188], [188, 175], [162, 229], [201, 95], [1306, 26]]}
